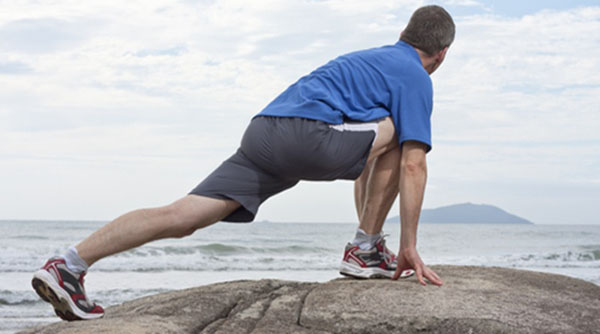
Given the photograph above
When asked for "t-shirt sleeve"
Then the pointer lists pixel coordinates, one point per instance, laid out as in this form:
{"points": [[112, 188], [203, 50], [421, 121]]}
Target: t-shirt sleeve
{"points": [[412, 120]]}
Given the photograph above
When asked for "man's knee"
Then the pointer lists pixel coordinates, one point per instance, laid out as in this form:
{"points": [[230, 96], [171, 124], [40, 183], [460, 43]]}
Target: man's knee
{"points": [[178, 222], [194, 212]]}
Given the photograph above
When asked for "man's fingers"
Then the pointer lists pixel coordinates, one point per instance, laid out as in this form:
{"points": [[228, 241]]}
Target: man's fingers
{"points": [[422, 272], [419, 273], [436, 276], [433, 277]]}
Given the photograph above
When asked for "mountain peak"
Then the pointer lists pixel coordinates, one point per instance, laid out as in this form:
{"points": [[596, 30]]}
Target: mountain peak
{"points": [[467, 213]]}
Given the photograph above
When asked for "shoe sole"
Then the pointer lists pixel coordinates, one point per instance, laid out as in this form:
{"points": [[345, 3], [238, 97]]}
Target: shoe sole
{"points": [[349, 269], [352, 270], [48, 289]]}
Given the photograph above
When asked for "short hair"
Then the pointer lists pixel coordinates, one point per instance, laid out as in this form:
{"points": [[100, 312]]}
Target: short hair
{"points": [[430, 29]]}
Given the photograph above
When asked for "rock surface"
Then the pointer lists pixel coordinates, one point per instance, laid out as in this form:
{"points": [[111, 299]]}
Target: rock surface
{"points": [[472, 300]]}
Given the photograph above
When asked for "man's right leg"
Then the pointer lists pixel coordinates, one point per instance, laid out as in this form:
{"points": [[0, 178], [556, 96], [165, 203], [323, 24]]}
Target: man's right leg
{"points": [[62, 286], [376, 190]]}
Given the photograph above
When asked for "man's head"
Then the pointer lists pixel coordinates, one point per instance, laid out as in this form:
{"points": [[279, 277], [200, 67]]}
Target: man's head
{"points": [[431, 30]]}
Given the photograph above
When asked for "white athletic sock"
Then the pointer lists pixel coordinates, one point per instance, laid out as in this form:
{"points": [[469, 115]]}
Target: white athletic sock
{"points": [[74, 262], [365, 241]]}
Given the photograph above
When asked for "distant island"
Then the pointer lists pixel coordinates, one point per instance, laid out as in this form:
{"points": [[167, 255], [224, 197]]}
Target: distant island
{"points": [[466, 213]]}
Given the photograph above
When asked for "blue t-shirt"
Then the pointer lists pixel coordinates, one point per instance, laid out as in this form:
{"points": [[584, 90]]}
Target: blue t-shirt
{"points": [[363, 86]]}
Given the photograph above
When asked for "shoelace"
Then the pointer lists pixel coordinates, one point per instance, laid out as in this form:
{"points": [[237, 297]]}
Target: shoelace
{"points": [[387, 256], [81, 281]]}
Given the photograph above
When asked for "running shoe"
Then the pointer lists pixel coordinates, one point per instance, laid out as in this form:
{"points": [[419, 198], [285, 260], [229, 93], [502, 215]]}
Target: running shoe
{"points": [[62, 288], [377, 262], [387, 254]]}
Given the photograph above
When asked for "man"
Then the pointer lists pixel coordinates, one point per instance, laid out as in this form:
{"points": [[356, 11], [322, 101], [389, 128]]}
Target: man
{"points": [[364, 116]]}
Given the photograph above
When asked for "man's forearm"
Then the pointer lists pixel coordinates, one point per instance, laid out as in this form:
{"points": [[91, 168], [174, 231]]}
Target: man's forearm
{"points": [[413, 177]]}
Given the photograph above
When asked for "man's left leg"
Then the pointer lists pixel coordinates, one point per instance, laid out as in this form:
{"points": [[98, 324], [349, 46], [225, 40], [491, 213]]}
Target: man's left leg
{"points": [[374, 194]]}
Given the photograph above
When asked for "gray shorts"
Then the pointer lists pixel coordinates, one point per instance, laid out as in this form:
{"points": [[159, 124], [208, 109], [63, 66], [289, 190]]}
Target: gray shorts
{"points": [[277, 152]]}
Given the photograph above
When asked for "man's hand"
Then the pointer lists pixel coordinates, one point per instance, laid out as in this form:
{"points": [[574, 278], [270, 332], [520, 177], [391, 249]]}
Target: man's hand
{"points": [[410, 259]]}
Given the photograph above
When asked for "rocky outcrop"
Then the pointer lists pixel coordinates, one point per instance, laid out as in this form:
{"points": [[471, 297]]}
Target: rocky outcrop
{"points": [[472, 300]]}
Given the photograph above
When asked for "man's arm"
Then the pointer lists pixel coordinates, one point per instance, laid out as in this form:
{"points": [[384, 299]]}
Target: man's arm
{"points": [[413, 177]]}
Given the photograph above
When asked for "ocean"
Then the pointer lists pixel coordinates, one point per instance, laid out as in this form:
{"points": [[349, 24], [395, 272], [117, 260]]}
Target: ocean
{"points": [[291, 251]]}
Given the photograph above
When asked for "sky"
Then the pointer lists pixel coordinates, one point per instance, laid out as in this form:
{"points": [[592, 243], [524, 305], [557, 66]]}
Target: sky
{"points": [[108, 106]]}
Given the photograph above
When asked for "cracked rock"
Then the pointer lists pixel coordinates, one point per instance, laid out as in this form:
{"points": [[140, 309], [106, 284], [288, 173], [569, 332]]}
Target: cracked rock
{"points": [[472, 300]]}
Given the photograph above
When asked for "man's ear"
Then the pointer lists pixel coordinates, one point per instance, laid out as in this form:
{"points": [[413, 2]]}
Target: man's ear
{"points": [[441, 55]]}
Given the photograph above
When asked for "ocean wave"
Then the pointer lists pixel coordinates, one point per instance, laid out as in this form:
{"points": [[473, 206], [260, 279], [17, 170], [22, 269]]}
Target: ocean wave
{"points": [[195, 257], [214, 269], [220, 249], [19, 302], [572, 257], [586, 258], [227, 257], [203, 263], [107, 297], [30, 237], [12, 298]]}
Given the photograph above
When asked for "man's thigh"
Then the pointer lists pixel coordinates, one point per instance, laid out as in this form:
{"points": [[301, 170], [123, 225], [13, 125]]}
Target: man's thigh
{"points": [[386, 138], [204, 210]]}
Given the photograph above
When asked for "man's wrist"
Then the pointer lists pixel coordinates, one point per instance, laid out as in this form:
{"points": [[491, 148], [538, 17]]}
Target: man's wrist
{"points": [[408, 246], [408, 240]]}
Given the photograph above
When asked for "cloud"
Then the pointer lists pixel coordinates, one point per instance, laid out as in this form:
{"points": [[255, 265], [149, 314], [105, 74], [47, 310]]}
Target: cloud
{"points": [[522, 79], [41, 35], [173, 51], [465, 3], [157, 87], [14, 67]]}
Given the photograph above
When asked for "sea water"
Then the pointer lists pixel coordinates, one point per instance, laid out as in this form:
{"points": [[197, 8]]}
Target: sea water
{"points": [[291, 251]]}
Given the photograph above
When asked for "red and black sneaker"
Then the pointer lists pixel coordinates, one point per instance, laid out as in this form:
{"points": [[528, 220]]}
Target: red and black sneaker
{"points": [[62, 288], [377, 262]]}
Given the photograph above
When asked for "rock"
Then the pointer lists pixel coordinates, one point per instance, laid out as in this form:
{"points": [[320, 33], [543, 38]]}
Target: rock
{"points": [[472, 300]]}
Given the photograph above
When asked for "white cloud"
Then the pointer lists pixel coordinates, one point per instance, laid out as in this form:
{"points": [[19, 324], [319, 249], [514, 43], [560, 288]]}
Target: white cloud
{"points": [[42, 35], [152, 87], [14, 67], [464, 3]]}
